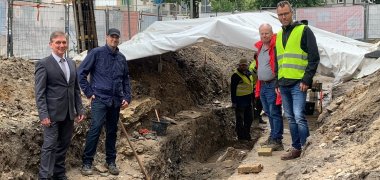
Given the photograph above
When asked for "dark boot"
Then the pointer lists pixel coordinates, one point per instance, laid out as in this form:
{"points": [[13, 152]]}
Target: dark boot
{"points": [[276, 145]]}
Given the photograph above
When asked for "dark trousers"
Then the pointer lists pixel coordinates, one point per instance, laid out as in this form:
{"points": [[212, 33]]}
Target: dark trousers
{"points": [[258, 107], [101, 115], [57, 139], [243, 122]]}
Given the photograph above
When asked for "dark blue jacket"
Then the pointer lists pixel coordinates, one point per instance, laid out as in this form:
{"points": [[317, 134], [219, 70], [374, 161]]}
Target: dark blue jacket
{"points": [[109, 76]]}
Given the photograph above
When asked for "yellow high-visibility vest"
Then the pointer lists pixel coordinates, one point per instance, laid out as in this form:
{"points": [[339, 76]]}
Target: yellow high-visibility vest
{"points": [[252, 69], [292, 60], [246, 86]]}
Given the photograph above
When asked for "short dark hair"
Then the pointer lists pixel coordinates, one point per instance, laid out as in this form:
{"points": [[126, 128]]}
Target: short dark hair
{"points": [[55, 34], [285, 3]]}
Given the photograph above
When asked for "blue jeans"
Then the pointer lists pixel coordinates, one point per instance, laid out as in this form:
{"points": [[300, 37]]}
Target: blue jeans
{"points": [[101, 115], [273, 111], [294, 100]]}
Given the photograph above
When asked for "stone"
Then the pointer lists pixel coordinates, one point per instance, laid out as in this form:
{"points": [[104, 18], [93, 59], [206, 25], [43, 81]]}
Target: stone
{"points": [[34, 113], [216, 102], [351, 129], [338, 129], [250, 168], [189, 114], [128, 152], [100, 168], [322, 145], [332, 107], [105, 174], [335, 139], [171, 120], [140, 149], [264, 151], [228, 153]]}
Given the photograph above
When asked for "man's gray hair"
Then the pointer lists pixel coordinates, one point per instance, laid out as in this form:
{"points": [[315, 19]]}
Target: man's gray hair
{"points": [[285, 3], [55, 34], [268, 25]]}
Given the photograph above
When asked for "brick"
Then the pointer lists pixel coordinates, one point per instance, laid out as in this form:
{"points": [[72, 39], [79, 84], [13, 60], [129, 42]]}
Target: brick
{"points": [[250, 168], [264, 151]]}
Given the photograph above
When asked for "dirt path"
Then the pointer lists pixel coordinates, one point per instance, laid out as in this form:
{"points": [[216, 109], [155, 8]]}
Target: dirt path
{"points": [[272, 164]]}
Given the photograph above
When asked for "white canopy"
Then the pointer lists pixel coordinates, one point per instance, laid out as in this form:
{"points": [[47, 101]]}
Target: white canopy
{"points": [[341, 57]]}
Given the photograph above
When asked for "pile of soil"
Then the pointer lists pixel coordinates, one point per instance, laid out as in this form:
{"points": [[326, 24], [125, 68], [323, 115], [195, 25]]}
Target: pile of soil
{"points": [[189, 79], [346, 146], [194, 79]]}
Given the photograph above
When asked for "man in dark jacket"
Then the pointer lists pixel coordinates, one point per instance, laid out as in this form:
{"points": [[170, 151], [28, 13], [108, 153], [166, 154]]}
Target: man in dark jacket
{"points": [[109, 90], [297, 61], [241, 97]]}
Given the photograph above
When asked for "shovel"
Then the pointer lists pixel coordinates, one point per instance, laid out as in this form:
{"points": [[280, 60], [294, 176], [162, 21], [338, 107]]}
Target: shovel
{"points": [[134, 152]]}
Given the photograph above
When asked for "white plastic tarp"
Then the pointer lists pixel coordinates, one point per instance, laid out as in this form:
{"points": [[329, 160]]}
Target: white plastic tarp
{"points": [[341, 57]]}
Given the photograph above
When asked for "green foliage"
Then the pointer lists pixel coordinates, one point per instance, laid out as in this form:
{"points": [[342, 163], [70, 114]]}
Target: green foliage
{"points": [[222, 5], [295, 3], [248, 5]]}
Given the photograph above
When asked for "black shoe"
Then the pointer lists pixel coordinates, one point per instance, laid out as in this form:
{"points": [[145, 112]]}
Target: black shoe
{"points": [[86, 170], [64, 177], [261, 121], [112, 169]]}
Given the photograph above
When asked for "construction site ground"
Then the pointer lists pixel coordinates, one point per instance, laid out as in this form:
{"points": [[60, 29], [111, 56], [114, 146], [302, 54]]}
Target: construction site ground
{"points": [[190, 87]]}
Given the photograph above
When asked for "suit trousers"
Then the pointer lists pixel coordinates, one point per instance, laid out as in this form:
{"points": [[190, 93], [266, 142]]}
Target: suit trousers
{"points": [[57, 139]]}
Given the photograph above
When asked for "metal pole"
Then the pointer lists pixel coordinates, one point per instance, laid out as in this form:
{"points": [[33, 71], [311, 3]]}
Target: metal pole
{"points": [[107, 13], [67, 24], [366, 24], [158, 11], [191, 9], [10, 30], [205, 6], [129, 21]]}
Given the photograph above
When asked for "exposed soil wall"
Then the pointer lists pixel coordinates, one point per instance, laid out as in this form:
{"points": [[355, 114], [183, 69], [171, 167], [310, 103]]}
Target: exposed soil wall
{"points": [[182, 80], [346, 146]]}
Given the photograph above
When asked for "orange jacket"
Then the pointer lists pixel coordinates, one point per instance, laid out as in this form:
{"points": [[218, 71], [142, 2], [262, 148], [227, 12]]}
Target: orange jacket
{"points": [[272, 62]]}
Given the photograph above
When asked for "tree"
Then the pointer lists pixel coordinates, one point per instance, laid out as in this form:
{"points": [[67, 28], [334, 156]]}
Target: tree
{"points": [[295, 3], [222, 5]]}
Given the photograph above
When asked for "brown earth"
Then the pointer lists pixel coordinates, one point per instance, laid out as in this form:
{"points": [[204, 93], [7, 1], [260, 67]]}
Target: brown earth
{"points": [[346, 145], [181, 84], [191, 86]]}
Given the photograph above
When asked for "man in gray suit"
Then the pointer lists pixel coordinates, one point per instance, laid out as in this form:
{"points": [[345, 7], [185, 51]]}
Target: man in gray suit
{"points": [[58, 101]]}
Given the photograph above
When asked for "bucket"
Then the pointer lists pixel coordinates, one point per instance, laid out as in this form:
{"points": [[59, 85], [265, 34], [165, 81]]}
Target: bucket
{"points": [[160, 127], [309, 108]]}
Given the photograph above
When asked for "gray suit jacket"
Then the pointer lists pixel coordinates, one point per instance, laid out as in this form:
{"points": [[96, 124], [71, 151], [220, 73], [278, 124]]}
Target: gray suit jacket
{"points": [[55, 97]]}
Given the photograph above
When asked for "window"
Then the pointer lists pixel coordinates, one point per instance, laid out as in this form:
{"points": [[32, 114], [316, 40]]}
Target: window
{"points": [[340, 1]]}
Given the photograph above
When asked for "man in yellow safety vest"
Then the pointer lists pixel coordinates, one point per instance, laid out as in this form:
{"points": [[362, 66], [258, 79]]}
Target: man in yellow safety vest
{"points": [[297, 61], [241, 97]]}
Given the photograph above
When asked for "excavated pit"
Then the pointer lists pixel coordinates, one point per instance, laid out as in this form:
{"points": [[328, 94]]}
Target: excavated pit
{"points": [[190, 86]]}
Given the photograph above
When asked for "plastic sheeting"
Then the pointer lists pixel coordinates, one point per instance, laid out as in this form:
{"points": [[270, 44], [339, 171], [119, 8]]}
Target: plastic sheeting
{"points": [[341, 57]]}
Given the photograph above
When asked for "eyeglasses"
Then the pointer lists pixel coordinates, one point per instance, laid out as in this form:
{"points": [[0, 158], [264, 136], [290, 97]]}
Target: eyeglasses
{"points": [[283, 14]]}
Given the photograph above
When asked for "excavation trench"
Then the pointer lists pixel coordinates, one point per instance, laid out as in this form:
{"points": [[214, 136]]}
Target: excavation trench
{"points": [[196, 148], [190, 86]]}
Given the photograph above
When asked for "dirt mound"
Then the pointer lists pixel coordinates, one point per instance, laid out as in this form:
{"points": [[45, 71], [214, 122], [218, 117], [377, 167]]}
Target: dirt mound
{"points": [[188, 79], [346, 146]]}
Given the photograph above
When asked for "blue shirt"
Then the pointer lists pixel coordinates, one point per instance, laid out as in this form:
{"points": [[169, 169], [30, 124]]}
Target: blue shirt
{"points": [[109, 80]]}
